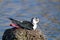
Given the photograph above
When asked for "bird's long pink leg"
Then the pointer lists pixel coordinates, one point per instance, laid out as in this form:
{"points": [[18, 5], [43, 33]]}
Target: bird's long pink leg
{"points": [[14, 25]]}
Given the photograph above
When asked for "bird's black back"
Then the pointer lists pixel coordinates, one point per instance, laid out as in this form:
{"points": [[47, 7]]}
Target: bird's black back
{"points": [[24, 24]]}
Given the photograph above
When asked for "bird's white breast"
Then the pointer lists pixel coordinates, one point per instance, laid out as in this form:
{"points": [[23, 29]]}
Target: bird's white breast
{"points": [[35, 26]]}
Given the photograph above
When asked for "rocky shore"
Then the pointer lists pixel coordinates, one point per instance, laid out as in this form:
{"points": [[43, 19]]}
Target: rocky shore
{"points": [[22, 34]]}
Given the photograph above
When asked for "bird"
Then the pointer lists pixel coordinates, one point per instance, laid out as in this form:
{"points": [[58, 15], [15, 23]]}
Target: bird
{"points": [[30, 25], [35, 22]]}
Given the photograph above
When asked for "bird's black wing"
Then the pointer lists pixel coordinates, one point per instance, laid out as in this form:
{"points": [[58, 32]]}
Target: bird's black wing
{"points": [[24, 24], [15, 21], [27, 24]]}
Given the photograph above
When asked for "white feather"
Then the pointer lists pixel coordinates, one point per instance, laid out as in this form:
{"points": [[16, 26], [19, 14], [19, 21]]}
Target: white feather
{"points": [[35, 21]]}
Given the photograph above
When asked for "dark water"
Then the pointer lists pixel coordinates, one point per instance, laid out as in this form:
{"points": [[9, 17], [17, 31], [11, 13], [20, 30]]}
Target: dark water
{"points": [[47, 11]]}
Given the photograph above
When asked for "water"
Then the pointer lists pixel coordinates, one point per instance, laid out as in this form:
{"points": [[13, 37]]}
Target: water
{"points": [[47, 11]]}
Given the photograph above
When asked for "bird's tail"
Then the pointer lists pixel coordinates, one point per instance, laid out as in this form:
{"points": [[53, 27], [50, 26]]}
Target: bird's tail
{"points": [[13, 20], [10, 19]]}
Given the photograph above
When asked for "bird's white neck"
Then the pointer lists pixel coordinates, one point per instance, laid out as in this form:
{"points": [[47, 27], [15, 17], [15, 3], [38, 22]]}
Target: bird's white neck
{"points": [[34, 22], [35, 26]]}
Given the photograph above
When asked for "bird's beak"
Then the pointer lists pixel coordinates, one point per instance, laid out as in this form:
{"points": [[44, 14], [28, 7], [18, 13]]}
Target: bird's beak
{"points": [[37, 20]]}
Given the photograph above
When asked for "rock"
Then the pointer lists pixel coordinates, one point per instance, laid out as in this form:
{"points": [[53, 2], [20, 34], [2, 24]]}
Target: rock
{"points": [[22, 34]]}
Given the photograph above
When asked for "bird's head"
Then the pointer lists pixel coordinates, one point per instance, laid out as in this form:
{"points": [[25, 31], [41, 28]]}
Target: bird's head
{"points": [[35, 20]]}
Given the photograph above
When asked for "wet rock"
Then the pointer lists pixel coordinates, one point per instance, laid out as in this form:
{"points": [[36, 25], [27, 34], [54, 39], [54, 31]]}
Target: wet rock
{"points": [[22, 34]]}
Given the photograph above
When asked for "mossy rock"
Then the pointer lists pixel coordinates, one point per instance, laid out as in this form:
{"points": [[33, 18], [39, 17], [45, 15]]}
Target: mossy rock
{"points": [[22, 34]]}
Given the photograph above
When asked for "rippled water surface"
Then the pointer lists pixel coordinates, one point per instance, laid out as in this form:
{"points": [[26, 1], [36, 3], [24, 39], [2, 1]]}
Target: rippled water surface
{"points": [[47, 11]]}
